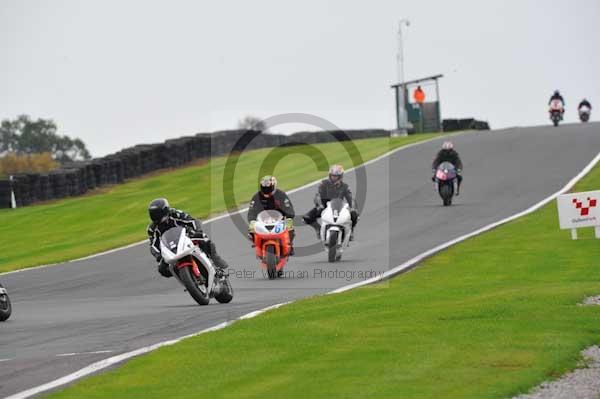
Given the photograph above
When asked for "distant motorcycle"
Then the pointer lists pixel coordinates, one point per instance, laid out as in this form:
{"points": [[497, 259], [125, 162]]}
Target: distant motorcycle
{"points": [[272, 242], [336, 226], [557, 111], [584, 114], [5, 306], [193, 268], [445, 181]]}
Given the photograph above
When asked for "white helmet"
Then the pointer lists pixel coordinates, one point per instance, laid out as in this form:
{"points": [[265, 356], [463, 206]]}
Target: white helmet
{"points": [[268, 185], [447, 145]]}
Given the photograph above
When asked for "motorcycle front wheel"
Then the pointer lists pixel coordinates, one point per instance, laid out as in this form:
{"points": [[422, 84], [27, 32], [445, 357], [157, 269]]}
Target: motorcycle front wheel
{"points": [[332, 246], [5, 306], [271, 261], [197, 289], [446, 192]]}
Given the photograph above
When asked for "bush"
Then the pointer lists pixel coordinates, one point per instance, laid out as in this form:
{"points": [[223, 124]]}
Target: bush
{"points": [[12, 163], [253, 123]]}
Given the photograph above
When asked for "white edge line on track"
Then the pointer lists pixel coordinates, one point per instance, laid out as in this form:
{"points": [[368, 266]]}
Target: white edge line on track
{"points": [[215, 218], [83, 353], [95, 367], [102, 364]]}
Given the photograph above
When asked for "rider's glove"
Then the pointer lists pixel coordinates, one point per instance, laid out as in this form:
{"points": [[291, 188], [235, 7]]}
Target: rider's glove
{"points": [[251, 226], [289, 223], [196, 234]]}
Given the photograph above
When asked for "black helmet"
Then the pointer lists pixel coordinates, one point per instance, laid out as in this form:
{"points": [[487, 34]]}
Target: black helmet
{"points": [[158, 209]]}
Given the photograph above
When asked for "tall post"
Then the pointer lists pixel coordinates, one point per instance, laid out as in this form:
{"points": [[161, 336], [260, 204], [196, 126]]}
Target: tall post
{"points": [[402, 89], [13, 202], [439, 103], [396, 92]]}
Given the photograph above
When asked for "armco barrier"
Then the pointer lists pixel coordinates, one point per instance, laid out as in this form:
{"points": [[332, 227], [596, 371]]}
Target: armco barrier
{"points": [[77, 178]]}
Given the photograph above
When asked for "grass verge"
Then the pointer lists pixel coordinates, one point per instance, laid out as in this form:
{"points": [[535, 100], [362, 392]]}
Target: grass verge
{"points": [[487, 318], [116, 216]]}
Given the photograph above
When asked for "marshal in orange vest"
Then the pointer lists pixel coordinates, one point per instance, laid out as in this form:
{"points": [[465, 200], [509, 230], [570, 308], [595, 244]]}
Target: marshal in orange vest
{"points": [[419, 95]]}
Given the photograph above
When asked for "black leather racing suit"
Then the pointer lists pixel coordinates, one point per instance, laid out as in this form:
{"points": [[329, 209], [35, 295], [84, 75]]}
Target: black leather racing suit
{"points": [[278, 201], [194, 227], [452, 157], [557, 97], [327, 191]]}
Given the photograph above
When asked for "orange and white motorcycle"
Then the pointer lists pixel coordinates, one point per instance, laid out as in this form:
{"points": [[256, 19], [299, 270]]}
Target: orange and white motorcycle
{"points": [[271, 242]]}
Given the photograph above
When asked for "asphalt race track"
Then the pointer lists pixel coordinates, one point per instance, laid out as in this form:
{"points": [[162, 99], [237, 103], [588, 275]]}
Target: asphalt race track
{"points": [[118, 302]]}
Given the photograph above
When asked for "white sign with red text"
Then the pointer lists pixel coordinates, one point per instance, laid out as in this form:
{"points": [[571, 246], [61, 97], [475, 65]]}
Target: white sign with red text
{"points": [[577, 210]]}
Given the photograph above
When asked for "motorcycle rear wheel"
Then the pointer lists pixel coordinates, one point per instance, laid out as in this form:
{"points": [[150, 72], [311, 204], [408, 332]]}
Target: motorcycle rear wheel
{"points": [[226, 295]]}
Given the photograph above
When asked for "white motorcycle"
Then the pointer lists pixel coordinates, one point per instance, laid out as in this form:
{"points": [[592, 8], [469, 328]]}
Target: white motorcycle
{"points": [[193, 268], [584, 114], [336, 226]]}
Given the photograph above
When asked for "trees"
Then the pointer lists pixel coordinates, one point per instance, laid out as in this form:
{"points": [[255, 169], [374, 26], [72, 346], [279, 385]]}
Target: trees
{"points": [[252, 123], [26, 136], [13, 163]]}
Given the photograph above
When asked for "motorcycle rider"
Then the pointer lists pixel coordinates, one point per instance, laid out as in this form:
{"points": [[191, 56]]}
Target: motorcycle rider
{"points": [[584, 103], [557, 96], [269, 197], [330, 188], [164, 217], [449, 154]]}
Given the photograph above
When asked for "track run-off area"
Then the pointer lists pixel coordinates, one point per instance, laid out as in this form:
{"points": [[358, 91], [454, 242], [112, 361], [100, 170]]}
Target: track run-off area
{"points": [[71, 315]]}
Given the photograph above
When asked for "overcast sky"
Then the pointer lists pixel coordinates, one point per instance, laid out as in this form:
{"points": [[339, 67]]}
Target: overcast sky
{"points": [[122, 72]]}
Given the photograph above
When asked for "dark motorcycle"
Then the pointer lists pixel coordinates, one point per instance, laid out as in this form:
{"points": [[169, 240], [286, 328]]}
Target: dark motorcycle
{"points": [[5, 306], [445, 180], [557, 111]]}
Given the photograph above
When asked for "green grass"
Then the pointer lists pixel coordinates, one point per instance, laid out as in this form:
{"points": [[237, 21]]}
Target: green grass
{"points": [[488, 318], [76, 227]]}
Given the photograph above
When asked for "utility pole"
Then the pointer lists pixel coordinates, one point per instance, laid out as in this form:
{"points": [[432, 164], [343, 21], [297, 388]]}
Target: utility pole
{"points": [[400, 61]]}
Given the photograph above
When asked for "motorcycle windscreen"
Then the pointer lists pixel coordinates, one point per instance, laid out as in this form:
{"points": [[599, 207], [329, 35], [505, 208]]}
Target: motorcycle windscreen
{"points": [[446, 171], [446, 166], [337, 204], [170, 238], [269, 217]]}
